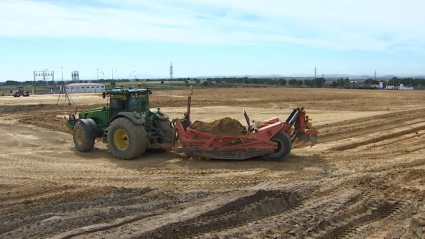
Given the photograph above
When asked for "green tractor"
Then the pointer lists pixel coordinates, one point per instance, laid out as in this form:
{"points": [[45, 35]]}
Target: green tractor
{"points": [[127, 124]]}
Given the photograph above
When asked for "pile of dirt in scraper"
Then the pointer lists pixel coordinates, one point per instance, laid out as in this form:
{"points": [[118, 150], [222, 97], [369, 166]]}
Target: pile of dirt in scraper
{"points": [[225, 126]]}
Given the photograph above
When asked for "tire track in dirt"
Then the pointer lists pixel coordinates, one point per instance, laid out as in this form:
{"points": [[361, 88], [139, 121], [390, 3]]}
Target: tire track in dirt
{"points": [[276, 224], [137, 224], [44, 162], [88, 181], [404, 140], [364, 126], [315, 208], [58, 215], [364, 121], [21, 193], [382, 165], [48, 169], [241, 211], [17, 215], [380, 136], [340, 215], [346, 225]]}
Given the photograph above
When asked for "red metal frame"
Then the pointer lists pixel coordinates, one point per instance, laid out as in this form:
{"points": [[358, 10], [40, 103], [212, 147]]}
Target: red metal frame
{"points": [[252, 144], [255, 143], [193, 142]]}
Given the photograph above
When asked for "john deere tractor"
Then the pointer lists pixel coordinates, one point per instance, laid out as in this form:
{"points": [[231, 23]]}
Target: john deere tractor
{"points": [[127, 124]]}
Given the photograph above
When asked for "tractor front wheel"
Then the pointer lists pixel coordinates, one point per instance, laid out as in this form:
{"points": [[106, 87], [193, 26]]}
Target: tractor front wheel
{"points": [[125, 139], [284, 147], [84, 136]]}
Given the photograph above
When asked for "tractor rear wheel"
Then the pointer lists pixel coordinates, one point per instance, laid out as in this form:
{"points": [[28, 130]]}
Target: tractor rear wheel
{"points": [[84, 136], [284, 147], [165, 126], [17, 94], [125, 139]]}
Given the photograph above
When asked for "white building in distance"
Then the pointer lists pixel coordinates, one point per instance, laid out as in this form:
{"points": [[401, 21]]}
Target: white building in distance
{"points": [[85, 88]]}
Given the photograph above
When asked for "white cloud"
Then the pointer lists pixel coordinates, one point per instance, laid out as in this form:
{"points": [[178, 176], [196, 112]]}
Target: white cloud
{"points": [[346, 25]]}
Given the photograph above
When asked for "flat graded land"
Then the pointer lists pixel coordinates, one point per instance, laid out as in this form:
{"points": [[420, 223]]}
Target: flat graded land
{"points": [[364, 179]]}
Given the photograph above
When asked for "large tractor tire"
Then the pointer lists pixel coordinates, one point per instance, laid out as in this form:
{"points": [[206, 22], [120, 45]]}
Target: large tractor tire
{"points": [[126, 140], [84, 135], [17, 94], [284, 147]]}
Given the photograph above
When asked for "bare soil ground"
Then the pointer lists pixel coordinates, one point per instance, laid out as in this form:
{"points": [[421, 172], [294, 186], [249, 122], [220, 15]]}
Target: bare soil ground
{"points": [[364, 179]]}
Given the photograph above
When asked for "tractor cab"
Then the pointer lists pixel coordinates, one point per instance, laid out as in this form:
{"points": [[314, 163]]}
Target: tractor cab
{"points": [[127, 100]]}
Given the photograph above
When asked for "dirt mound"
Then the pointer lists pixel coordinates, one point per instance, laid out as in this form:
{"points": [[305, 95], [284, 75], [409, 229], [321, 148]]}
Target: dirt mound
{"points": [[225, 126]]}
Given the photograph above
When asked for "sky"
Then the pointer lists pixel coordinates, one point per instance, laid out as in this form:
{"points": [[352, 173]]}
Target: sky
{"points": [[140, 38]]}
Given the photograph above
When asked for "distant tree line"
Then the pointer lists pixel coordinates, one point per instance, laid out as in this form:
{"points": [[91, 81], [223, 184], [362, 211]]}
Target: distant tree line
{"points": [[318, 82]]}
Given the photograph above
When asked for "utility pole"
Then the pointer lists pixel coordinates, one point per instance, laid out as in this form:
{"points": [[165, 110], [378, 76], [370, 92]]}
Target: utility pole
{"points": [[112, 73], [61, 87], [97, 73], [45, 80], [315, 76], [171, 71]]}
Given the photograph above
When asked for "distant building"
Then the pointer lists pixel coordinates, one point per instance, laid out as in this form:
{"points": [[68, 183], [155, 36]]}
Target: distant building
{"points": [[402, 87], [85, 88], [391, 87]]}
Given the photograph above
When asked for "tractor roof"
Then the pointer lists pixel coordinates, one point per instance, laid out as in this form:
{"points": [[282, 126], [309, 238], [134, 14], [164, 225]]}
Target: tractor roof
{"points": [[124, 91]]}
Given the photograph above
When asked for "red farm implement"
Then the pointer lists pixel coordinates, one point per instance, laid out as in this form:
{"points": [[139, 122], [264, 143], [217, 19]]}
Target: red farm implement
{"points": [[271, 139]]}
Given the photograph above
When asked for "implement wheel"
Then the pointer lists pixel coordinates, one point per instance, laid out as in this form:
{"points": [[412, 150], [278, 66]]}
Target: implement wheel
{"points": [[126, 140], [284, 147], [84, 135]]}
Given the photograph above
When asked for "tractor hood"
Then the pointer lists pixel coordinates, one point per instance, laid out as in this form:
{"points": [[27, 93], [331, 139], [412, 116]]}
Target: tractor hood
{"points": [[92, 111]]}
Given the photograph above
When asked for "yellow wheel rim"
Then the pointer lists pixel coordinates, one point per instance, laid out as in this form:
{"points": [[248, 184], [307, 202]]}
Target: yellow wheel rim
{"points": [[121, 139], [79, 136]]}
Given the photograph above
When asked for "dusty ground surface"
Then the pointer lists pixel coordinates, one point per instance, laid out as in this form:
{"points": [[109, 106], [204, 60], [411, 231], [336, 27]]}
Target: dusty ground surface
{"points": [[364, 179]]}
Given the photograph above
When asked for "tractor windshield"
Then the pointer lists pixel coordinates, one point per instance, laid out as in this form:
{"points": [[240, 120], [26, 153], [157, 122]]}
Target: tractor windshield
{"points": [[138, 103], [130, 102], [117, 104]]}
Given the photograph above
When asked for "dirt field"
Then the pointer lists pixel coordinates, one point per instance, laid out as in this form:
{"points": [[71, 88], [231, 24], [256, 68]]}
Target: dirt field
{"points": [[364, 179]]}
